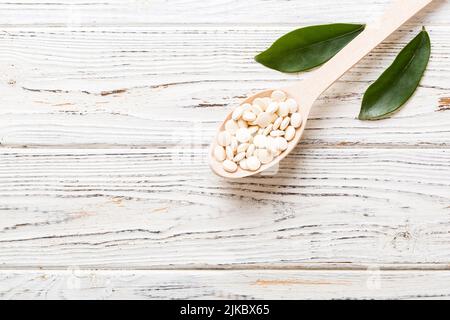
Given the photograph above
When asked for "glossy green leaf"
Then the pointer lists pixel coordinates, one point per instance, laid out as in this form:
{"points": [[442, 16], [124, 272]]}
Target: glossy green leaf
{"points": [[396, 85], [309, 47]]}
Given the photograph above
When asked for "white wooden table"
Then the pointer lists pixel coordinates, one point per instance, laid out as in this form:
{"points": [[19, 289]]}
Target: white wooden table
{"points": [[107, 109]]}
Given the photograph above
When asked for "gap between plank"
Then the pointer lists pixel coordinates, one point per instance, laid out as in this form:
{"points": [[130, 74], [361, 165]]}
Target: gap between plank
{"points": [[243, 267], [189, 25], [340, 145]]}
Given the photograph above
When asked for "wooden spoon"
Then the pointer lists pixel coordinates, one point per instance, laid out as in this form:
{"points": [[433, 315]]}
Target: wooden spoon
{"points": [[306, 92]]}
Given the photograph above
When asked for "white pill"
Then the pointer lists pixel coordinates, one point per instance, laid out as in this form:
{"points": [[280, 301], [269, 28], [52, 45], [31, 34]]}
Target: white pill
{"points": [[253, 129], [260, 131], [283, 109], [278, 96], [261, 103], [276, 153], [296, 120], [243, 164], [268, 129], [246, 106], [256, 109], [260, 141], [231, 126], [292, 104], [274, 117], [272, 108], [290, 133], [239, 157], [237, 113], [229, 152], [250, 150], [224, 138], [253, 163], [242, 123], [243, 135], [229, 166], [271, 145], [277, 123], [234, 143], [249, 116], [219, 153], [242, 147], [267, 100], [264, 155], [277, 133], [282, 144], [285, 123], [263, 119]]}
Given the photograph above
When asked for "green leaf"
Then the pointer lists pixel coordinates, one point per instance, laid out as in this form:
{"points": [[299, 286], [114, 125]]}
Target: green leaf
{"points": [[397, 84], [309, 47]]}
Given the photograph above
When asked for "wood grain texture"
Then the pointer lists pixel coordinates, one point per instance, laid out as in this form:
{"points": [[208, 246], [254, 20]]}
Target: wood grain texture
{"points": [[106, 112], [130, 86], [135, 12], [243, 284], [165, 209]]}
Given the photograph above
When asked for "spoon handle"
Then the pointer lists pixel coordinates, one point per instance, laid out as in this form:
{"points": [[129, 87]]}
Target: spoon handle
{"points": [[399, 12]]}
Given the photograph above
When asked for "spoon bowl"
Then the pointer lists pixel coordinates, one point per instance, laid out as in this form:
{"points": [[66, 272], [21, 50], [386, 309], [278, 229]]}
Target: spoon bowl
{"points": [[304, 109]]}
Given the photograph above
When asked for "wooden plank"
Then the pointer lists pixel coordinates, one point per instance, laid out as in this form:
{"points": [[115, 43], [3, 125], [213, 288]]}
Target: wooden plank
{"points": [[118, 74], [96, 59], [159, 208], [242, 284], [126, 86], [120, 12]]}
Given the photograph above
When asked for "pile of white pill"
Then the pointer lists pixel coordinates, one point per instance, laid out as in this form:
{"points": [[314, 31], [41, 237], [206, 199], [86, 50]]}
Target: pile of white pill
{"points": [[257, 132]]}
